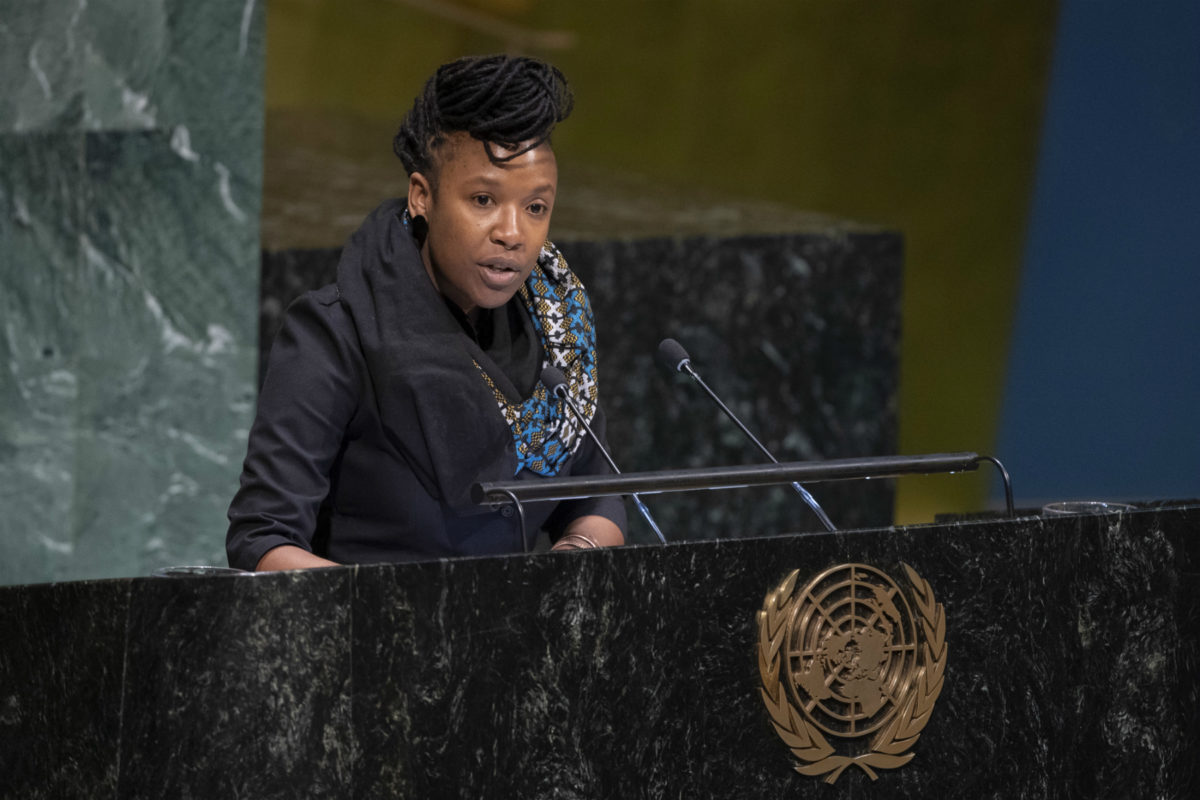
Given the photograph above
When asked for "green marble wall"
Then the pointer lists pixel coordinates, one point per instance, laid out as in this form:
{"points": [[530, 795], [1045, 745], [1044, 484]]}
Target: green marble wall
{"points": [[130, 185]]}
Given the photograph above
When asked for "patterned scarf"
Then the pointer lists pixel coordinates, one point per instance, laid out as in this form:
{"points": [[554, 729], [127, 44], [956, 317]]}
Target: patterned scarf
{"points": [[545, 431]]}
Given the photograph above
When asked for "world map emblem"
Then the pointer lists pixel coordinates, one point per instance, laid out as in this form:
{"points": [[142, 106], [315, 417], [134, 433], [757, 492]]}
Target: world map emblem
{"points": [[851, 665]]}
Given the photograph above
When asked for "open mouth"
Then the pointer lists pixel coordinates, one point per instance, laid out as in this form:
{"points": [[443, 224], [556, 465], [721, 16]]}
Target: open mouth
{"points": [[500, 273], [501, 265]]}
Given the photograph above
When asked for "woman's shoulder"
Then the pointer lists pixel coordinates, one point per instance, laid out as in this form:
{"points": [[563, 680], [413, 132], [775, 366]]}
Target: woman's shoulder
{"points": [[321, 307], [317, 322], [323, 298]]}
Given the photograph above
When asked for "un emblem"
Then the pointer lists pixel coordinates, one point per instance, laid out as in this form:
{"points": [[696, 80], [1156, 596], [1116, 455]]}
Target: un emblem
{"points": [[848, 656]]}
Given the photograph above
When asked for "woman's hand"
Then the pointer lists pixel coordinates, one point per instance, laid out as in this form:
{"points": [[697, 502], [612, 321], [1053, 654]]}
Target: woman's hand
{"points": [[288, 556], [588, 532]]}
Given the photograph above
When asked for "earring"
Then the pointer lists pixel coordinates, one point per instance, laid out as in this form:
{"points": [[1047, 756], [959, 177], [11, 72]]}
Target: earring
{"points": [[419, 227]]}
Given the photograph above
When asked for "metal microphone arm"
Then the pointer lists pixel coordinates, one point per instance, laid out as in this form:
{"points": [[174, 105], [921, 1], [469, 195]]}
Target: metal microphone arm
{"points": [[673, 355], [557, 383]]}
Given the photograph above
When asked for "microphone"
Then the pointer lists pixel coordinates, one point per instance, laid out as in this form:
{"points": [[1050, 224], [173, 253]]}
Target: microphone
{"points": [[672, 356], [556, 382]]}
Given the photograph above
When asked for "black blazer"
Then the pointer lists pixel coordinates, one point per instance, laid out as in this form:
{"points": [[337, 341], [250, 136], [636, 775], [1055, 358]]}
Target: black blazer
{"points": [[371, 427]]}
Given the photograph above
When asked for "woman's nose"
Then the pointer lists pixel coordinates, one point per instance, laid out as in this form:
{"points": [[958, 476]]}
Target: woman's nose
{"points": [[506, 230]]}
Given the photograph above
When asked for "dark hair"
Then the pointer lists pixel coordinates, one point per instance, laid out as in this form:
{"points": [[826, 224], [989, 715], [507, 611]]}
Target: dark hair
{"points": [[511, 101]]}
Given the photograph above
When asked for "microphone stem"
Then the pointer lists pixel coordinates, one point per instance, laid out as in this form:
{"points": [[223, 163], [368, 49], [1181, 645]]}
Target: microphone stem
{"points": [[636, 499], [814, 505], [804, 493]]}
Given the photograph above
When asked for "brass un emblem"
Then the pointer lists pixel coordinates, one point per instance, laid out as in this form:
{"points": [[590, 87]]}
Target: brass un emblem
{"points": [[849, 657]]}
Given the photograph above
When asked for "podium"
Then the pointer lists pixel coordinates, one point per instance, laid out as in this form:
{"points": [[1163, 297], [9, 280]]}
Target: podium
{"points": [[1071, 669]]}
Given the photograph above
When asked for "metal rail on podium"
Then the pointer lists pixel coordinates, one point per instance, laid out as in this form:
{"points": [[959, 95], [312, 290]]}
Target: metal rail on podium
{"points": [[712, 478]]}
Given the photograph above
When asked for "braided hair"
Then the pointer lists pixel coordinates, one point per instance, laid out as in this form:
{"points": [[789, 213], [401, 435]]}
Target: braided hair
{"points": [[510, 101]]}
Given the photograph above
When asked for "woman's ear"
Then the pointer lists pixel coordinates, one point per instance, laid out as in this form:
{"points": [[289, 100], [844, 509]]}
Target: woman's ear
{"points": [[419, 192]]}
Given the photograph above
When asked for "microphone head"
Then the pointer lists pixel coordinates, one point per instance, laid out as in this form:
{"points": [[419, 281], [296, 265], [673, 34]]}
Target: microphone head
{"points": [[672, 355], [555, 381]]}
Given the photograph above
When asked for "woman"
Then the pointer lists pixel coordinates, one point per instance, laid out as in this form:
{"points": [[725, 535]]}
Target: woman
{"points": [[390, 392]]}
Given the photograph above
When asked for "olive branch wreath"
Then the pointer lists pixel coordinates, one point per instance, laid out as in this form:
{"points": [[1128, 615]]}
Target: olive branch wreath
{"points": [[889, 747]]}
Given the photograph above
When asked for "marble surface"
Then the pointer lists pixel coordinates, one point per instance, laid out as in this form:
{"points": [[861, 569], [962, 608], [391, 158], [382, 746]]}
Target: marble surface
{"points": [[129, 65], [130, 183], [1073, 647], [62, 671], [798, 333], [239, 677]]}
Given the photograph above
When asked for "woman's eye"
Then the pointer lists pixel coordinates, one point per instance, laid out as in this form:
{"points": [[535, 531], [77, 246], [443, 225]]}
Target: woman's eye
{"points": [[481, 200], [537, 209]]}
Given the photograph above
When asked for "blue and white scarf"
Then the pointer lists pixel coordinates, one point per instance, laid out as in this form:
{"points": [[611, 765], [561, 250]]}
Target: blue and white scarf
{"points": [[546, 433]]}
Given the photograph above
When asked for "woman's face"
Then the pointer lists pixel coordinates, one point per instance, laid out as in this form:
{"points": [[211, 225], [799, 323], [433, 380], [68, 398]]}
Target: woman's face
{"points": [[487, 222]]}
